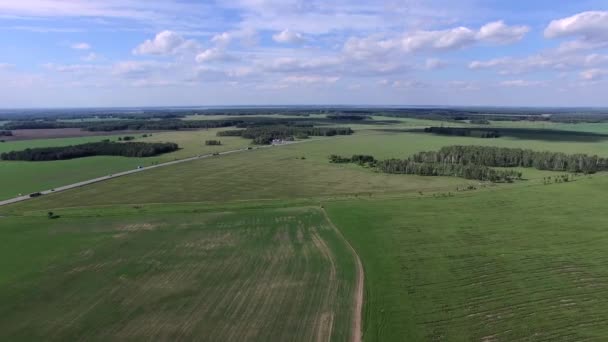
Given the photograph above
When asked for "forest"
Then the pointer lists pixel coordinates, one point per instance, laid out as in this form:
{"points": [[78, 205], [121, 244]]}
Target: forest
{"points": [[463, 132], [124, 125], [104, 148], [264, 135], [477, 162], [348, 117], [6, 134], [411, 167], [513, 157]]}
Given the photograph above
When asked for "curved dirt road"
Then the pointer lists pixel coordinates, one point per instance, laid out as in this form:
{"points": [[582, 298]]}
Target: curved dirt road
{"points": [[358, 307]]}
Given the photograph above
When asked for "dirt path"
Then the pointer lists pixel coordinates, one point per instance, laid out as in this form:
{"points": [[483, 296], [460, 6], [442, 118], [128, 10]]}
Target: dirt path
{"points": [[326, 318], [358, 307]]}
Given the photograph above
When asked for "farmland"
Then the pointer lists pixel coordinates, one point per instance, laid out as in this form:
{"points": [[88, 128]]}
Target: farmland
{"points": [[189, 250], [282, 173], [28, 177], [262, 274], [515, 265]]}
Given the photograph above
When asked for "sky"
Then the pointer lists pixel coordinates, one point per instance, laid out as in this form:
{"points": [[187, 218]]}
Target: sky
{"points": [[115, 53]]}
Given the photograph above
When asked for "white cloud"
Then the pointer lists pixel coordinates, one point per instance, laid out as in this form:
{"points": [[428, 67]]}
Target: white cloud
{"points": [[401, 84], [434, 64], [247, 37], [593, 74], [498, 32], [290, 64], [4, 66], [408, 84], [522, 83], [363, 48], [164, 43], [80, 46], [438, 40], [207, 74], [73, 68], [223, 38], [147, 83], [90, 57], [463, 85], [158, 13], [590, 25], [214, 55], [590, 30], [492, 63], [595, 59], [311, 79], [130, 69], [309, 17], [288, 37], [433, 40], [555, 61]]}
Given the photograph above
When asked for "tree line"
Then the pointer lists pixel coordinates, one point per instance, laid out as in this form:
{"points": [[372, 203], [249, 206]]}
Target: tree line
{"points": [[169, 124], [360, 159], [124, 125], [6, 133], [212, 142], [264, 135], [411, 167], [463, 132], [468, 171], [347, 117], [513, 157], [104, 148]]}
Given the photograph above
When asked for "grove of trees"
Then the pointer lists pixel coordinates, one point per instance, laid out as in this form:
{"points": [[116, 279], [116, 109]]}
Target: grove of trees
{"points": [[480, 162], [410, 167], [469, 171], [513, 157], [104, 148], [212, 142], [264, 135], [463, 132]]}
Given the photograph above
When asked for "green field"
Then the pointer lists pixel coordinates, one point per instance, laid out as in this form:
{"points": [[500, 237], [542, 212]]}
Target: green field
{"points": [[278, 172], [23, 144], [26, 177], [520, 264], [264, 274], [187, 251], [281, 173], [370, 139]]}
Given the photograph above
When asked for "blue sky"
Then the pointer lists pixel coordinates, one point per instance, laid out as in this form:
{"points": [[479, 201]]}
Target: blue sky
{"points": [[71, 53]]}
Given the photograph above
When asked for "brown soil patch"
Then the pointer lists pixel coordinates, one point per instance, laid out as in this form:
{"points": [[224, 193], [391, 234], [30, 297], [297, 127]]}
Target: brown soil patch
{"points": [[137, 227]]}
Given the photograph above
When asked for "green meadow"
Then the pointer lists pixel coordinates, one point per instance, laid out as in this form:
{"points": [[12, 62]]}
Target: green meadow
{"points": [[25, 177], [258, 275], [255, 245], [519, 264]]}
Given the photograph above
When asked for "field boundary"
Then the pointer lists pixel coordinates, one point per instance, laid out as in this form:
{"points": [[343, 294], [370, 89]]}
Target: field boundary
{"points": [[356, 325]]}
